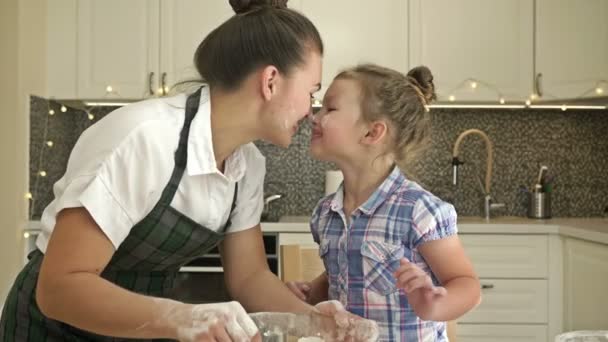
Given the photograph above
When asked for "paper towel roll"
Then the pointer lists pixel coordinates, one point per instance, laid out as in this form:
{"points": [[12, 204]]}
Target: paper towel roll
{"points": [[332, 181]]}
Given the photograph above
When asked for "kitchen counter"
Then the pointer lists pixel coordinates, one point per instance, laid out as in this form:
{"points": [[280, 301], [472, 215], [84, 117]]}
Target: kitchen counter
{"points": [[590, 229]]}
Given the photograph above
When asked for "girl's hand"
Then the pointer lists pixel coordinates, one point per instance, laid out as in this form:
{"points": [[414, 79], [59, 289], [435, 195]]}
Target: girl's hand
{"points": [[301, 289], [419, 288]]}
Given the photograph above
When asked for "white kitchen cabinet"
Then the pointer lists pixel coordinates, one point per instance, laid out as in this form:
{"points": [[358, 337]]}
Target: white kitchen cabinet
{"points": [[521, 292], [502, 333], [358, 32], [138, 48], [572, 47], [586, 278], [488, 41], [117, 47], [184, 25]]}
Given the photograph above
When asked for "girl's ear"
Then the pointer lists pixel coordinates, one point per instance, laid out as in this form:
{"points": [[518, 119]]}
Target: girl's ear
{"points": [[376, 131]]}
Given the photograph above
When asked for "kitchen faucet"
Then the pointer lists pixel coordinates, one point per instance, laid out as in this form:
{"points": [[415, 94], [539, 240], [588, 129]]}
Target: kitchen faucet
{"points": [[488, 206]]}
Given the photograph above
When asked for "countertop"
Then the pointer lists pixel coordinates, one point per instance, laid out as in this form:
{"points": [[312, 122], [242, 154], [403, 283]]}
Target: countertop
{"points": [[590, 229]]}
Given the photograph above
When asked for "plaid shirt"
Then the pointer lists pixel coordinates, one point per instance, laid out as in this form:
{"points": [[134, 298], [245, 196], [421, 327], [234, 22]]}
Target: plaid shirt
{"points": [[360, 258]]}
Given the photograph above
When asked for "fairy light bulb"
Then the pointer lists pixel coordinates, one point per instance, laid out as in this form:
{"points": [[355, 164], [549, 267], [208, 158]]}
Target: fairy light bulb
{"points": [[564, 108], [599, 90], [28, 195], [159, 91], [502, 100], [452, 98], [26, 235], [91, 116], [51, 112], [528, 102], [166, 89], [473, 85], [49, 143], [533, 96], [42, 173], [64, 109], [109, 89]]}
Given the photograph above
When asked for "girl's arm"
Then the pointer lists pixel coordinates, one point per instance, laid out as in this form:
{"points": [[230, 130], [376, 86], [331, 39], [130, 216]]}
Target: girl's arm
{"points": [[451, 266]]}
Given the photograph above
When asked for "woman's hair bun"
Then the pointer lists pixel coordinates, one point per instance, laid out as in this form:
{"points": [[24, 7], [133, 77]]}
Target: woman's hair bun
{"points": [[243, 6], [422, 77]]}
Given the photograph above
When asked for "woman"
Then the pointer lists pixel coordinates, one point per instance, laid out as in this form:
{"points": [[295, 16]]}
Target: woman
{"points": [[159, 182]]}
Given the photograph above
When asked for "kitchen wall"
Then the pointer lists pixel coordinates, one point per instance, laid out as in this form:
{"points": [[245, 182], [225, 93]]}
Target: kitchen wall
{"points": [[572, 144], [22, 32]]}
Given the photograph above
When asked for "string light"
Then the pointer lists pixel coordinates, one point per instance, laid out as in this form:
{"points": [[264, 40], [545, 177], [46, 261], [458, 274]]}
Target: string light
{"points": [[564, 108], [502, 100], [28, 195], [51, 112], [473, 85], [42, 173], [90, 116], [452, 98], [599, 90], [528, 102], [49, 143], [533, 96], [64, 109], [109, 89], [26, 235]]}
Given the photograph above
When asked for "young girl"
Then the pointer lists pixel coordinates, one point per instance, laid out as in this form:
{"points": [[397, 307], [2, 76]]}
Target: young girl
{"points": [[390, 247]]}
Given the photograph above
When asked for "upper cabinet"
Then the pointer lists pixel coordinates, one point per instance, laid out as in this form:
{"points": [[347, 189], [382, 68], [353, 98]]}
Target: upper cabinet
{"points": [[572, 48], [184, 25], [118, 48], [359, 32], [478, 50]]}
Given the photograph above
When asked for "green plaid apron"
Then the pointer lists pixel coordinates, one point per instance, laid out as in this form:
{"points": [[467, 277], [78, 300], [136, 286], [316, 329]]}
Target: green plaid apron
{"points": [[147, 261]]}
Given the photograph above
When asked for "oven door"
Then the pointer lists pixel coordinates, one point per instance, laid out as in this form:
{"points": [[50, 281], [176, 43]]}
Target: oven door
{"points": [[202, 280]]}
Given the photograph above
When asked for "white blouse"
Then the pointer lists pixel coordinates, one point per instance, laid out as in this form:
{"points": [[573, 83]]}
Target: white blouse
{"points": [[120, 166]]}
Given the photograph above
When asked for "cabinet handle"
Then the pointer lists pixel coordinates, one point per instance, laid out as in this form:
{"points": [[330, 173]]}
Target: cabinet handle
{"points": [[150, 81], [537, 85], [487, 286], [163, 83]]}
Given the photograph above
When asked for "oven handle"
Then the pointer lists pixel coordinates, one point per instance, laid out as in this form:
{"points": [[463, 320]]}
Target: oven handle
{"points": [[201, 269]]}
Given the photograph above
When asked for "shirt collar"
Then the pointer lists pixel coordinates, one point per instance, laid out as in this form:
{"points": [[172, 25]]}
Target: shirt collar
{"points": [[394, 180], [201, 159]]}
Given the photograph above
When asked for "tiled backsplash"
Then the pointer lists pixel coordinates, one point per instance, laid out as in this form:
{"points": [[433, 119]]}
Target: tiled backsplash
{"points": [[573, 144]]}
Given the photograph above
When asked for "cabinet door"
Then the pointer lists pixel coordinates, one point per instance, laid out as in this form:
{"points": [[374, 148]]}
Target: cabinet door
{"points": [[572, 47], [518, 301], [488, 41], [507, 256], [185, 23], [501, 333], [117, 47], [359, 31], [586, 275]]}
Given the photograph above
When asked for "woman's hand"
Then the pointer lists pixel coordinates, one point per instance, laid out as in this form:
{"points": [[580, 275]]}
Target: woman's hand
{"points": [[219, 322], [346, 326], [419, 288], [301, 289]]}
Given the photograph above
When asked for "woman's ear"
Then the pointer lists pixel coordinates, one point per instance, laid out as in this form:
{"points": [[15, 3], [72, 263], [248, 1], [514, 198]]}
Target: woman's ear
{"points": [[268, 81], [376, 131]]}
